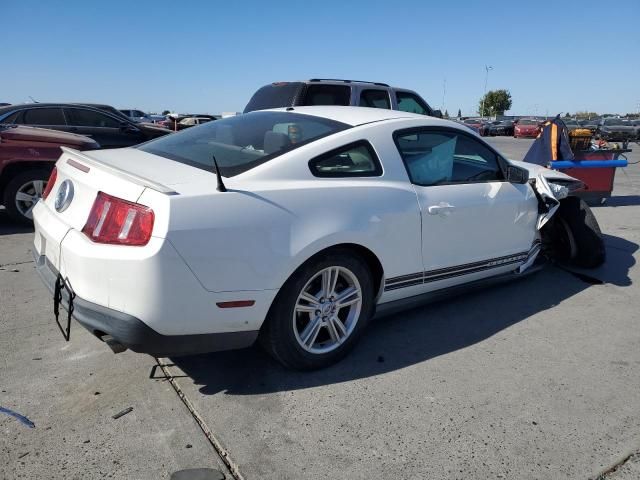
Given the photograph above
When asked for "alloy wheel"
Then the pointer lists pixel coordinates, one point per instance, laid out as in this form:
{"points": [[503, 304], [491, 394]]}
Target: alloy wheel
{"points": [[327, 310], [28, 195]]}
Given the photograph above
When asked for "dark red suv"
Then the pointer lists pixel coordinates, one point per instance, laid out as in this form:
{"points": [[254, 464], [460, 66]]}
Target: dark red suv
{"points": [[27, 156]]}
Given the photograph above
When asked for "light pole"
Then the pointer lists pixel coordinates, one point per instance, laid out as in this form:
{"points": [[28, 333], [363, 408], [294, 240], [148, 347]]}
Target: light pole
{"points": [[486, 79]]}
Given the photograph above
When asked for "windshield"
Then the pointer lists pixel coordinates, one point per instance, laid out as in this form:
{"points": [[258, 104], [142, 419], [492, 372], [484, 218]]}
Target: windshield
{"points": [[527, 122], [243, 142], [613, 122]]}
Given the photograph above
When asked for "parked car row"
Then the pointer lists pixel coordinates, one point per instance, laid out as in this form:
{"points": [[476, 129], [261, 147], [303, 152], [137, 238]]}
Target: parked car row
{"points": [[110, 130], [524, 127]]}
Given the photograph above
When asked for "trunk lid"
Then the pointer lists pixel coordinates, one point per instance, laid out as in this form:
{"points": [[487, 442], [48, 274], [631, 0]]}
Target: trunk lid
{"points": [[87, 177], [145, 165]]}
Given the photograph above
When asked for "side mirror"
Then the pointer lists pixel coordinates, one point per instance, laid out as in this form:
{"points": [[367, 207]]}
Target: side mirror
{"points": [[126, 127], [517, 174], [437, 113]]}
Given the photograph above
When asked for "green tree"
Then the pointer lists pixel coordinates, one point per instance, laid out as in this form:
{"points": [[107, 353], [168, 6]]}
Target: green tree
{"points": [[446, 114], [459, 113], [567, 115], [166, 112], [495, 102]]}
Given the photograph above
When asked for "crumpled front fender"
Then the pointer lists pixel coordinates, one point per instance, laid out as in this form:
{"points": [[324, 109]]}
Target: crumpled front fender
{"points": [[550, 186]]}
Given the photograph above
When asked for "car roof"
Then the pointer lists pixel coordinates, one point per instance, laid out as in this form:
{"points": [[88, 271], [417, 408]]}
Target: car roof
{"points": [[355, 116], [20, 106]]}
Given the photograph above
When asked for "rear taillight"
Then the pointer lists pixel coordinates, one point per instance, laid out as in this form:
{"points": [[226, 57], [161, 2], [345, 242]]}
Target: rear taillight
{"points": [[119, 222], [50, 183]]}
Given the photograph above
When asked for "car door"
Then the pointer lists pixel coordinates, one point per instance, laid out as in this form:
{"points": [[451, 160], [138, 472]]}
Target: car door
{"points": [[108, 131], [474, 223]]}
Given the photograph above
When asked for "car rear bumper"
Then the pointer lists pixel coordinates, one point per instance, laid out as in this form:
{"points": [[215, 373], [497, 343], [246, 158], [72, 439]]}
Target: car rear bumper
{"points": [[133, 333]]}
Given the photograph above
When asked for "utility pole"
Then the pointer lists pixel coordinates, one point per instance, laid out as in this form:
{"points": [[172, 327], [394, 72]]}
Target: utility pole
{"points": [[486, 79]]}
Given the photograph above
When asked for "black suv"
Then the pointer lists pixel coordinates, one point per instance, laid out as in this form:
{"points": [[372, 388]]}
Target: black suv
{"points": [[108, 129], [328, 91]]}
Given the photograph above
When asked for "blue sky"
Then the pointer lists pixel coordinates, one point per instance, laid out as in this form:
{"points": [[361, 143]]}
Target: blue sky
{"points": [[210, 56]]}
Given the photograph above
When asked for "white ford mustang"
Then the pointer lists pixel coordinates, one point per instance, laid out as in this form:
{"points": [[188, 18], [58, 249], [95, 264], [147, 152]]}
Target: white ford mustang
{"points": [[294, 226]]}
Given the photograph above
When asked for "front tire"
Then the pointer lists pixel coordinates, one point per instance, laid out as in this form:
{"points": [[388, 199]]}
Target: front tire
{"points": [[22, 193], [577, 236], [320, 312]]}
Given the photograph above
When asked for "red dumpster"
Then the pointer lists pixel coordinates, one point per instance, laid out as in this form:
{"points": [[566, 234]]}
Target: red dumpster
{"points": [[591, 167]]}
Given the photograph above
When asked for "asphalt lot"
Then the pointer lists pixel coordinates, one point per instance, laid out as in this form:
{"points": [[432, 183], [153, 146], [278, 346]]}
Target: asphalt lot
{"points": [[535, 379]]}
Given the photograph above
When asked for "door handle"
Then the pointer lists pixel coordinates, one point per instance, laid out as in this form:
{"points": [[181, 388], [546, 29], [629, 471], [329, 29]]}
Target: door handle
{"points": [[442, 208]]}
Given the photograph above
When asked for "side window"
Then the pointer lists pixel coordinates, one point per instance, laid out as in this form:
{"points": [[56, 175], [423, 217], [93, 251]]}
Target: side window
{"points": [[44, 116], [13, 118], [88, 118], [408, 102], [327, 95], [375, 99], [354, 160], [444, 157]]}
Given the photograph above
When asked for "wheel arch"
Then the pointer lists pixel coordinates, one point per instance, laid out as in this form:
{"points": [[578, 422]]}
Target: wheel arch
{"points": [[370, 258], [18, 166]]}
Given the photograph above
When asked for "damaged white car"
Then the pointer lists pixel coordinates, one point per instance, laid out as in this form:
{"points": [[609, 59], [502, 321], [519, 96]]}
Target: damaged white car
{"points": [[293, 227]]}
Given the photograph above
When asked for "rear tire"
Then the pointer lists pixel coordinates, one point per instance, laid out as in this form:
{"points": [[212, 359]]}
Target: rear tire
{"points": [[29, 183], [577, 236], [286, 333]]}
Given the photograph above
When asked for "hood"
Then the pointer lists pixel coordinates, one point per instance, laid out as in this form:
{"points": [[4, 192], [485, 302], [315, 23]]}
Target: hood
{"points": [[26, 134], [153, 129]]}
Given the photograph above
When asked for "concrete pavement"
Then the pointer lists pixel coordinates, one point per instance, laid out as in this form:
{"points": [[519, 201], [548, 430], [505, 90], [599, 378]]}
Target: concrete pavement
{"points": [[535, 379]]}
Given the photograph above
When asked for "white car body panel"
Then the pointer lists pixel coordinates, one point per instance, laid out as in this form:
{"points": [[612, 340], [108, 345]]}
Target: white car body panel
{"points": [[209, 246]]}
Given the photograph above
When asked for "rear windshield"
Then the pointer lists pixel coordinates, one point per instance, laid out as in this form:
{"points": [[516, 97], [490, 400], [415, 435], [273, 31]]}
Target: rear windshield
{"points": [[243, 142], [614, 122], [275, 95], [527, 122]]}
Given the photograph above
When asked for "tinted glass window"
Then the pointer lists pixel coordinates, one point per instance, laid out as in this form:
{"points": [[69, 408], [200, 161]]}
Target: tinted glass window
{"points": [[439, 157], [88, 118], [407, 102], [527, 122], [43, 116], [353, 160], [137, 113], [243, 142], [274, 96], [327, 95], [375, 99], [13, 118]]}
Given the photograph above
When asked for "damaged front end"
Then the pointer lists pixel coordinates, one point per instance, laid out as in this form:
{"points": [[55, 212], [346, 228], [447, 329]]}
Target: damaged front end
{"points": [[550, 188]]}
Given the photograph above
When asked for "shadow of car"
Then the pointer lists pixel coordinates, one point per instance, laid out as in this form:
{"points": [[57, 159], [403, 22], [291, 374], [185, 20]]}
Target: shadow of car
{"points": [[411, 337]]}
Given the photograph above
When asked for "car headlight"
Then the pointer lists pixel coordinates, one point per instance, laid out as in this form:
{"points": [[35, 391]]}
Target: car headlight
{"points": [[562, 189]]}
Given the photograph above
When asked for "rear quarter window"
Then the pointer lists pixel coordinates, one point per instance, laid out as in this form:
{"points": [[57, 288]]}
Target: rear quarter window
{"points": [[276, 95], [327, 95]]}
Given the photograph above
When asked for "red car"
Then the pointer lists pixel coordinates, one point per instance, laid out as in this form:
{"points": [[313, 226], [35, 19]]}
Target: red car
{"points": [[526, 127], [476, 124], [27, 156]]}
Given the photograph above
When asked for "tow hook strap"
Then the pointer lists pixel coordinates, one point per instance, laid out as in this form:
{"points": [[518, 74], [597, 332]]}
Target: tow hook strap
{"points": [[60, 285]]}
